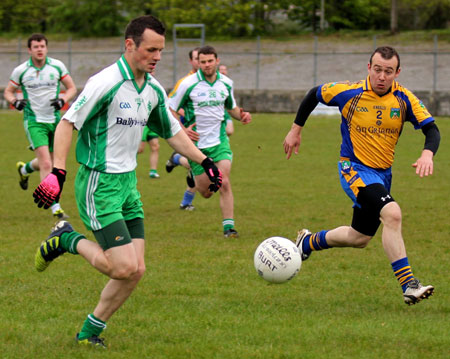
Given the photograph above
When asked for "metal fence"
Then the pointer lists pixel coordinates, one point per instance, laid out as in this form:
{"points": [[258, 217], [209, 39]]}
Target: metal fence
{"points": [[256, 64]]}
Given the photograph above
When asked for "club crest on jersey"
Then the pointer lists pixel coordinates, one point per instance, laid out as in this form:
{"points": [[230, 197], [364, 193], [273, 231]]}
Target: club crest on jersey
{"points": [[346, 165], [395, 113]]}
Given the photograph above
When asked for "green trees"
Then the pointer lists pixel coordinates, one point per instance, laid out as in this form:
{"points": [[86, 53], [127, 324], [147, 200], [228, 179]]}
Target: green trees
{"points": [[221, 17]]}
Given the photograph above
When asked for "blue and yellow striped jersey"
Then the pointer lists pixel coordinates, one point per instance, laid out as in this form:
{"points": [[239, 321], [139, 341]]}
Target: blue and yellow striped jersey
{"points": [[372, 124]]}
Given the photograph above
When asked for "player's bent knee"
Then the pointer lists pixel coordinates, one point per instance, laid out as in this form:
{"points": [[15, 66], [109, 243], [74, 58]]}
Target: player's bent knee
{"points": [[391, 214], [124, 268], [123, 272], [140, 272], [362, 241], [226, 186], [205, 193], [358, 239]]}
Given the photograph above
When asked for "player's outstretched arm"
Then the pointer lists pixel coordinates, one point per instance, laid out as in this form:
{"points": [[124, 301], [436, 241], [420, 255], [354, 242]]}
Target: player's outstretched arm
{"points": [[292, 140], [239, 114], [424, 164]]}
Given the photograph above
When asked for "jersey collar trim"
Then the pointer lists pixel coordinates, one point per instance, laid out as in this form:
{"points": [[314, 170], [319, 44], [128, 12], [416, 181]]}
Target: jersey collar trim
{"points": [[125, 69], [201, 77], [368, 86], [127, 73], [30, 63]]}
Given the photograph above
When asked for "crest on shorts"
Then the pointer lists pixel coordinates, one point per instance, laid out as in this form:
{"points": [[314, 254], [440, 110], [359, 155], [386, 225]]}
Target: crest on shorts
{"points": [[395, 113]]}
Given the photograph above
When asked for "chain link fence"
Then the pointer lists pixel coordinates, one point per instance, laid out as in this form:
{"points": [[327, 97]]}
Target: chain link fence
{"points": [[257, 64]]}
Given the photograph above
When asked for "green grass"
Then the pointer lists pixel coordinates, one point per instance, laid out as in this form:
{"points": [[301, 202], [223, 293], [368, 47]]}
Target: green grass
{"points": [[201, 296]]}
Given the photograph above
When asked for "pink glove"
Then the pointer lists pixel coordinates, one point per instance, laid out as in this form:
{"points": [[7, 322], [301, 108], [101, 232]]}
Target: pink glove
{"points": [[50, 188]]}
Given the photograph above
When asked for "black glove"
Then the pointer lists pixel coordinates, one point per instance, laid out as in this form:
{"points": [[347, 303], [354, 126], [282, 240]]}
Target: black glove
{"points": [[50, 188], [214, 174], [20, 104], [57, 103]]}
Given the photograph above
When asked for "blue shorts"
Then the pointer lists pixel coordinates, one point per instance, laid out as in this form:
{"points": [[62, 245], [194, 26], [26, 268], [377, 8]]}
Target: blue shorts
{"points": [[354, 175]]}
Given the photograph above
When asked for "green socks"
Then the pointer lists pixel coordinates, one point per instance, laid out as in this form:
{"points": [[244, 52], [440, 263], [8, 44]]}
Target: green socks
{"points": [[92, 326], [69, 241], [228, 223]]}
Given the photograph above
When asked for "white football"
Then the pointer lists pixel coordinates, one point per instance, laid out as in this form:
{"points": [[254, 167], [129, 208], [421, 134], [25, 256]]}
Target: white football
{"points": [[277, 259]]}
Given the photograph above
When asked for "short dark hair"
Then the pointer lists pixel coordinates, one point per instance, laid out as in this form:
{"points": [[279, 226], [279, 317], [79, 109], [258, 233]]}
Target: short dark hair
{"points": [[386, 53], [207, 50], [137, 26], [38, 38], [192, 51]]}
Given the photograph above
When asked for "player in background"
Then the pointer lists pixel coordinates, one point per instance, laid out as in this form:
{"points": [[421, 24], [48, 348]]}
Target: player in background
{"points": [[373, 112], [229, 129], [110, 115], [39, 79], [206, 96], [151, 138], [176, 159]]}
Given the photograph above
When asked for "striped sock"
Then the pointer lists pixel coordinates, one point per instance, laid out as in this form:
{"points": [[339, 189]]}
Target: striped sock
{"points": [[27, 169], [92, 326], [315, 242], [187, 198], [228, 223], [69, 241], [402, 271]]}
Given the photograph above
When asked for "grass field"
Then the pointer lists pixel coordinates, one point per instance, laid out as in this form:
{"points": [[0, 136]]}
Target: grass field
{"points": [[201, 297]]}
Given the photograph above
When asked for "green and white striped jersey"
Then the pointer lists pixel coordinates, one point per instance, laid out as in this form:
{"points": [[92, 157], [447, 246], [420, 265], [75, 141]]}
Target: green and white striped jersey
{"points": [[39, 86], [111, 113], [204, 103]]}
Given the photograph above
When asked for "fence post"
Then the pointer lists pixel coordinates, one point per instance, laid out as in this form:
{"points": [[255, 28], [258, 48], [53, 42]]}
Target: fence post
{"points": [[19, 51], [258, 59], [315, 61], [374, 42], [435, 63], [174, 60], [69, 53]]}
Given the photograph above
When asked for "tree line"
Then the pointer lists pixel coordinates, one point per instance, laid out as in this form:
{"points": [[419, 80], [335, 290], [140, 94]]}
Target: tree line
{"points": [[223, 17]]}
